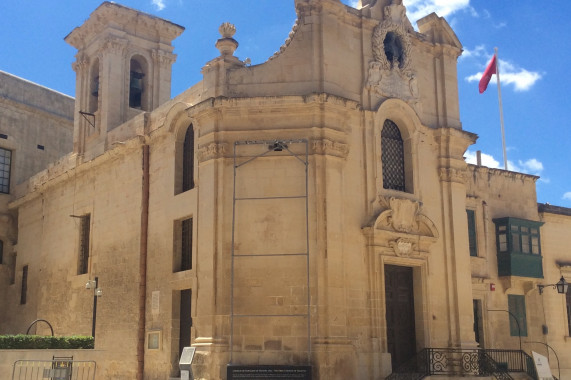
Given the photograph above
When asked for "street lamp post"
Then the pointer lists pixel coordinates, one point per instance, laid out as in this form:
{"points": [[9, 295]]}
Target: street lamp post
{"points": [[562, 286], [97, 292]]}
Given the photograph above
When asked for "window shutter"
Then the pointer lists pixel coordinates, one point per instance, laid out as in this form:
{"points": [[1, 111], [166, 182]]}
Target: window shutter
{"points": [[472, 233], [516, 305]]}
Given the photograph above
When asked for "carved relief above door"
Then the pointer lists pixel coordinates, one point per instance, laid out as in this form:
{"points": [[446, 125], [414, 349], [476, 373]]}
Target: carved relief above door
{"points": [[402, 229]]}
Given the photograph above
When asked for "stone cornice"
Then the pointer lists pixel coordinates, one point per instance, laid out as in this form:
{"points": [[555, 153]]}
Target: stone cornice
{"points": [[276, 102], [501, 172], [131, 21]]}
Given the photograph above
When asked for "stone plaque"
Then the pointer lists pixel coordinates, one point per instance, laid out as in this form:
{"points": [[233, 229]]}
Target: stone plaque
{"points": [[186, 358], [268, 372]]}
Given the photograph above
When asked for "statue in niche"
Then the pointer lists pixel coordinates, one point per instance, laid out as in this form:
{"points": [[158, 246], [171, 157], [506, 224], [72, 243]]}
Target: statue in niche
{"points": [[390, 74], [393, 50]]}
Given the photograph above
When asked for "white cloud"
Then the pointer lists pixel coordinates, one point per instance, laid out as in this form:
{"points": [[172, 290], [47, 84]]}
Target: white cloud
{"points": [[478, 51], [511, 74], [160, 4], [531, 166], [567, 196], [487, 160], [417, 9]]}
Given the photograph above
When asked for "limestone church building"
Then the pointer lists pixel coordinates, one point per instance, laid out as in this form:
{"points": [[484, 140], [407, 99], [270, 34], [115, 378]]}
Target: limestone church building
{"points": [[313, 210]]}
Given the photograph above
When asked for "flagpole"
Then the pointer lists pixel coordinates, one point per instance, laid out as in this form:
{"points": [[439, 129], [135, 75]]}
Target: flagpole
{"points": [[501, 109]]}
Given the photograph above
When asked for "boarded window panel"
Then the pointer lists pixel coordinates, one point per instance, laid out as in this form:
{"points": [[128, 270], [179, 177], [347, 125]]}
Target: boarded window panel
{"points": [[188, 160], [516, 305], [392, 157], [83, 259], [472, 232], [24, 291]]}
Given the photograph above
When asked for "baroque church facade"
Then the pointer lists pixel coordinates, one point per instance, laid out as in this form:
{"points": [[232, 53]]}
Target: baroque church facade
{"points": [[314, 210]]}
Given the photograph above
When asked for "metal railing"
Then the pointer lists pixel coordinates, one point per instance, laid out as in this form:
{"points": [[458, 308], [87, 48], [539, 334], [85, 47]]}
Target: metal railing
{"points": [[514, 361], [53, 370], [450, 361]]}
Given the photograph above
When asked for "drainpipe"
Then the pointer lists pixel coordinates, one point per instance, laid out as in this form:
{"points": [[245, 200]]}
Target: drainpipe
{"points": [[143, 264]]}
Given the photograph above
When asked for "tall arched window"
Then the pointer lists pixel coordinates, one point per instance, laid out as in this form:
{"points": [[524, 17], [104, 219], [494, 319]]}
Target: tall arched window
{"points": [[188, 160], [94, 87], [392, 156], [137, 98]]}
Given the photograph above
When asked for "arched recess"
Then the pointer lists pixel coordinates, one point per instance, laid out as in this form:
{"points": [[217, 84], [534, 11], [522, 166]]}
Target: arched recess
{"points": [[408, 123], [93, 86], [138, 83], [183, 127]]}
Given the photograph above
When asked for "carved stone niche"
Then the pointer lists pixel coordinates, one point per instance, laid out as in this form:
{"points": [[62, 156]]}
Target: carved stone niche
{"points": [[402, 229], [390, 74]]}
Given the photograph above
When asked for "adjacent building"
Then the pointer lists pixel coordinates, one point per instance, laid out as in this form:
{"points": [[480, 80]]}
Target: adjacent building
{"points": [[315, 209]]}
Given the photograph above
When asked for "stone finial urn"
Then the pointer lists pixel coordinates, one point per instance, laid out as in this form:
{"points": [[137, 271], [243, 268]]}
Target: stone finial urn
{"points": [[227, 45]]}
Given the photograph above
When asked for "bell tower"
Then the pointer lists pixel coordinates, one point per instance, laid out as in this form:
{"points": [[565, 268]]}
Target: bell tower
{"points": [[123, 68]]}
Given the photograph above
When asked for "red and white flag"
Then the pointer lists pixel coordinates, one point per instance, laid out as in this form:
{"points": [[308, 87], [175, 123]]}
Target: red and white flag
{"points": [[490, 70]]}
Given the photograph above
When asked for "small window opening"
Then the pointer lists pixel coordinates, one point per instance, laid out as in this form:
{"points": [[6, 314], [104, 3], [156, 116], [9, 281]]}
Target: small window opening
{"points": [[472, 237], [3, 136], [186, 246], [40, 147], [182, 253]]}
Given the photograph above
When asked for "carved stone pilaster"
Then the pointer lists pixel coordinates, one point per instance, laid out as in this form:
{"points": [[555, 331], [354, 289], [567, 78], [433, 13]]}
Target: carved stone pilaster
{"points": [[330, 148], [211, 151], [163, 58], [453, 175], [80, 64]]}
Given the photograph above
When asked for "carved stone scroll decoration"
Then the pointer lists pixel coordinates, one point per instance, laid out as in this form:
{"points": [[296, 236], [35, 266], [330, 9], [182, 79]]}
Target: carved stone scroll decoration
{"points": [[403, 247], [211, 151], [403, 214], [390, 74], [401, 229]]}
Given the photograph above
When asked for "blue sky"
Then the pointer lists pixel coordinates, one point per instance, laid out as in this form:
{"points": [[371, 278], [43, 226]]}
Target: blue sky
{"points": [[533, 39]]}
